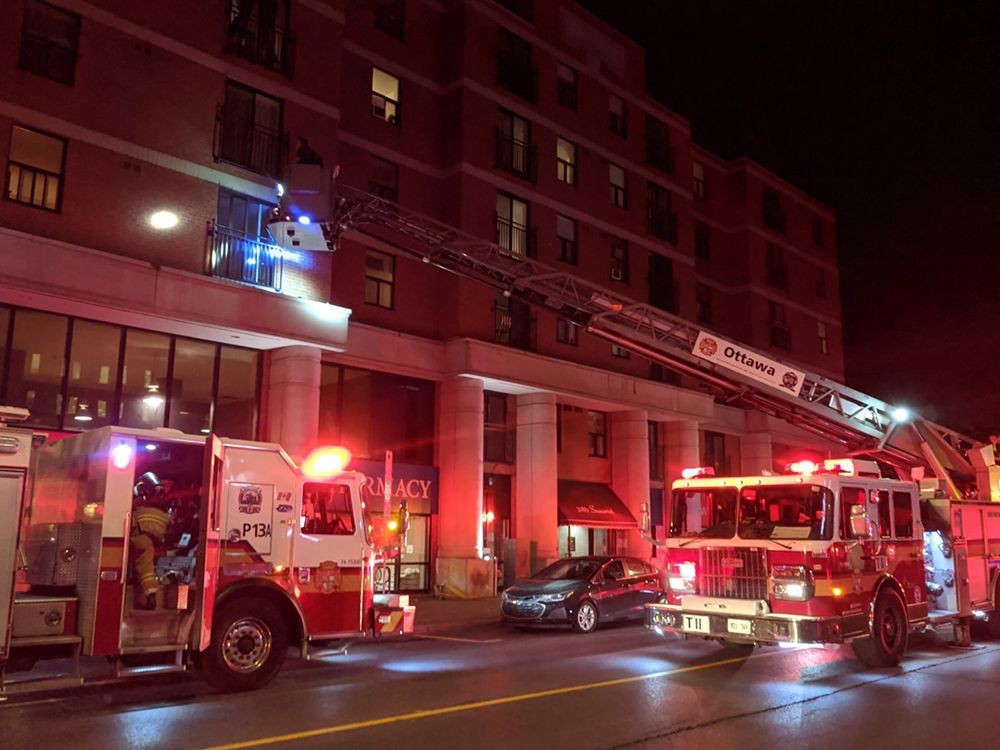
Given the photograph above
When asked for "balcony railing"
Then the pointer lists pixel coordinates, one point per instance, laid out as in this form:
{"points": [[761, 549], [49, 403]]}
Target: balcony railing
{"points": [[514, 156], [518, 239], [239, 257], [248, 144], [663, 225], [513, 324], [517, 75], [264, 45]]}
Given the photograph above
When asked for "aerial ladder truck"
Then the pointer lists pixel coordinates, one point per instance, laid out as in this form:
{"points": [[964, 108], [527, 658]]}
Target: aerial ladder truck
{"points": [[900, 534]]}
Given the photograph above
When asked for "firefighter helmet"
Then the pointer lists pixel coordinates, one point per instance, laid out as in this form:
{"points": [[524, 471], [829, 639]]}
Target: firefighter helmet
{"points": [[149, 490]]}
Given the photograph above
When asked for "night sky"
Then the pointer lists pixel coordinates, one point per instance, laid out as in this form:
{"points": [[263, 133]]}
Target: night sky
{"points": [[888, 112]]}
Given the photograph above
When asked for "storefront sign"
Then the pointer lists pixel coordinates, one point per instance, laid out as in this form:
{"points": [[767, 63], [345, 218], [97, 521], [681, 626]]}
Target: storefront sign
{"points": [[734, 357], [417, 484]]}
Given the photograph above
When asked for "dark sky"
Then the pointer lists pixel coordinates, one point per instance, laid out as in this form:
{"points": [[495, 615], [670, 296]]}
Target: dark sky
{"points": [[888, 112]]}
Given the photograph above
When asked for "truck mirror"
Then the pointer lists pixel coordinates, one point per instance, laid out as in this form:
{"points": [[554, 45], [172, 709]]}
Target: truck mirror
{"points": [[858, 522]]}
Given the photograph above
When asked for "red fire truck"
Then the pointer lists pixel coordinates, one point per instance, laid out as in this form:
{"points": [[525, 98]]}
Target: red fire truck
{"points": [[254, 554], [826, 554]]}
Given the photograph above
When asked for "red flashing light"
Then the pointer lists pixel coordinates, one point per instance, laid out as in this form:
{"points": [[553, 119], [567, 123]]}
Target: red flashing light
{"points": [[803, 467], [698, 471], [327, 461]]}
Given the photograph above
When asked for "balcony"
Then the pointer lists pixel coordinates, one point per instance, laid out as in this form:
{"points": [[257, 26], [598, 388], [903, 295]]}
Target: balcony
{"points": [[513, 324], [515, 156], [519, 240], [239, 257], [248, 144], [663, 225], [660, 154], [664, 295], [260, 44], [781, 337], [777, 276], [517, 75]]}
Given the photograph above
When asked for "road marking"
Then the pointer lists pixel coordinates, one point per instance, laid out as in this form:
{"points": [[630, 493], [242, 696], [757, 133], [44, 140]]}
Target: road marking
{"points": [[458, 640], [309, 733]]}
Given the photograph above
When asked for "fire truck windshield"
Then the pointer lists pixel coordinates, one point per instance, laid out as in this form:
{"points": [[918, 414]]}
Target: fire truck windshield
{"points": [[799, 511], [708, 512]]}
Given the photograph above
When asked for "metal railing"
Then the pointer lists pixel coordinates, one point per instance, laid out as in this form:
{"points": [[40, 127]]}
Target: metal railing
{"points": [[262, 44], [248, 144], [663, 225], [34, 186], [514, 156], [516, 238], [237, 256]]}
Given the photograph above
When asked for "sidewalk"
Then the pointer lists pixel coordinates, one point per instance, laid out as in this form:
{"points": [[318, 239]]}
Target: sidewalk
{"points": [[443, 615]]}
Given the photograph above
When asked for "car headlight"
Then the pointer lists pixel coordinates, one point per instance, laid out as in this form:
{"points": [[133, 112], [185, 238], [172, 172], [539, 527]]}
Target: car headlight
{"points": [[554, 598], [792, 582]]}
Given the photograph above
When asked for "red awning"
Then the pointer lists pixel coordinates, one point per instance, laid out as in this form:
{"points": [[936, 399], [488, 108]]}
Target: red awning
{"points": [[592, 505]]}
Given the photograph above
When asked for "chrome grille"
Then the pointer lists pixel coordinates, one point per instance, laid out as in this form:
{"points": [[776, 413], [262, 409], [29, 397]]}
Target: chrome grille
{"points": [[733, 572]]}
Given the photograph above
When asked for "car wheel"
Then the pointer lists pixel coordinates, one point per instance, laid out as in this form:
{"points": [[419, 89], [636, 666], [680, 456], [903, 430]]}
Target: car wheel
{"points": [[585, 619], [887, 643]]}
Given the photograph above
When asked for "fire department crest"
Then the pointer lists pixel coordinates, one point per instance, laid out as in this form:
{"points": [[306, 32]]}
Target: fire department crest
{"points": [[250, 500], [708, 347], [789, 380], [328, 577]]}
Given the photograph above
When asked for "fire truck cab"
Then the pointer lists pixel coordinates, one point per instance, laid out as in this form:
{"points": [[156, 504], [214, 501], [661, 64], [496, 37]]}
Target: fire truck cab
{"points": [[826, 555], [256, 555]]}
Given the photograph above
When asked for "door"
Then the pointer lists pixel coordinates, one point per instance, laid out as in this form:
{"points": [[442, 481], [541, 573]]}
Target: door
{"points": [[614, 595], [11, 497], [208, 561], [642, 583]]}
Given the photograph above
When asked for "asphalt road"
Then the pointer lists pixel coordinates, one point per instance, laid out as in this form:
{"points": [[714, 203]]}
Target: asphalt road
{"points": [[496, 688]]}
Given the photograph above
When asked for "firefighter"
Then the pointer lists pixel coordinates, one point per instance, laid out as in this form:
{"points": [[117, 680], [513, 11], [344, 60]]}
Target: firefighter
{"points": [[150, 519]]}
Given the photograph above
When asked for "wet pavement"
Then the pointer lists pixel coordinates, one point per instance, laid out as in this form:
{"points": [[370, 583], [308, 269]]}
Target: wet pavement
{"points": [[484, 686]]}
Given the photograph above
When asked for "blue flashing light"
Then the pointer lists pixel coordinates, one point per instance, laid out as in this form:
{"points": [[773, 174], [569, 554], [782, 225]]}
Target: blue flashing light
{"points": [[305, 219]]}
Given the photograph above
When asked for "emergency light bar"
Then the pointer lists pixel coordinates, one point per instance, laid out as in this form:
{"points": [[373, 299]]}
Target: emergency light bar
{"points": [[698, 471]]}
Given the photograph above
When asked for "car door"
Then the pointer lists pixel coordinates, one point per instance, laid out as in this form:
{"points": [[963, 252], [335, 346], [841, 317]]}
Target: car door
{"points": [[642, 583], [614, 594]]}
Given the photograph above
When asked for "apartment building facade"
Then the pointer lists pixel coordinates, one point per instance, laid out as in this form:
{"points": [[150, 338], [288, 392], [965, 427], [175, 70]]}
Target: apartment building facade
{"points": [[143, 148]]}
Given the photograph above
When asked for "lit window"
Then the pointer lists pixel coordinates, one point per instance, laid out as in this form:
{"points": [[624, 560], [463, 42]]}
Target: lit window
{"points": [[824, 342], [35, 168], [617, 115], [566, 86], [385, 96], [380, 279], [619, 260], [620, 352], [512, 225], [616, 176], [49, 38], [566, 231], [565, 161], [566, 332], [700, 189]]}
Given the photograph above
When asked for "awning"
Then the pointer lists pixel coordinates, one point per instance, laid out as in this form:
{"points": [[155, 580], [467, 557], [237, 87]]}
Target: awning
{"points": [[593, 505]]}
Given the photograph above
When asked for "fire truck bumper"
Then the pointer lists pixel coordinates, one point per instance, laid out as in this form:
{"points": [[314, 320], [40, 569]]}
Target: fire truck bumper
{"points": [[393, 614], [766, 629]]}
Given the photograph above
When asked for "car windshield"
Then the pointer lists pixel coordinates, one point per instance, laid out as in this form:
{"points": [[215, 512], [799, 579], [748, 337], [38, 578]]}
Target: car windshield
{"points": [[569, 570], [705, 512], [799, 511]]}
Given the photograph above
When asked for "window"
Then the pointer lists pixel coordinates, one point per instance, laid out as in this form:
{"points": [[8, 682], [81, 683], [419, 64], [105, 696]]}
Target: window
{"points": [[566, 86], [620, 351], [659, 152], [777, 269], [700, 189], [852, 505], [566, 231], [514, 152], [515, 70], [250, 130], [821, 285], [390, 17], [36, 362], [512, 225], [144, 380], [781, 337], [35, 168], [713, 447], [236, 393], [567, 332], [618, 115], [703, 299], [902, 507], [619, 260], [701, 245], [662, 287], [884, 514], [661, 221], [655, 455], [565, 161], [498, 444], [774, 214], [259, 32], [662, 374], [817, 230], [193, 385], [597, 434], [241, 249], [616, 177], [385, 96], [93, 374], [380, 279], [383, 178], [49, 38], [326, 509], [824, 343]]}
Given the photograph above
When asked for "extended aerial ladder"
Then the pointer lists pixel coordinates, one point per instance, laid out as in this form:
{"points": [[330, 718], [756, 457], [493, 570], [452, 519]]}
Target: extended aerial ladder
{"points": [[864, 425]]}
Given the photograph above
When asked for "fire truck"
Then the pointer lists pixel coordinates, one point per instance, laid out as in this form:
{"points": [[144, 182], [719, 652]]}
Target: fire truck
{"points": [[901, 534], [255, 555]]}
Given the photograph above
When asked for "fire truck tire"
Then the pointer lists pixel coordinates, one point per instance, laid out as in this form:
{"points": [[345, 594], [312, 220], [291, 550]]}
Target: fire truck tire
{"points": [[249, 645], [887, 644], [585, 617]]}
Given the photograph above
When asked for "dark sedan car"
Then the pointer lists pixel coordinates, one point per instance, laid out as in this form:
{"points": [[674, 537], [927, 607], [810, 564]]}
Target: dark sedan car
{"points": [[582, 592]]}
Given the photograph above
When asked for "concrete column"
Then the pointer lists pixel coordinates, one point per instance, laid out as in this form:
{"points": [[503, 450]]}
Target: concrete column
{"points": [[293, 399], [536, 482], [755, 453], [630, 470], [682, 448], [460, 567]]}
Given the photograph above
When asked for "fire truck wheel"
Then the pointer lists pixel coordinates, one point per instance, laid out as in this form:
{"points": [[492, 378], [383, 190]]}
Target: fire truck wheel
{"points": [[585, 619], [249, 645], [887, 644]]}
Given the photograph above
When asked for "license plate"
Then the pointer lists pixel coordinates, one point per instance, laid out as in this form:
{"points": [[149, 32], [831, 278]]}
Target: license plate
{"points": [[740, 627], [695, 624]]}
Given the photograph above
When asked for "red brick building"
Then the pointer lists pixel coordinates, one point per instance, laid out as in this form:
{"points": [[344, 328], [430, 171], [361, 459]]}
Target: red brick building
{"points": [[143, 145]]}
